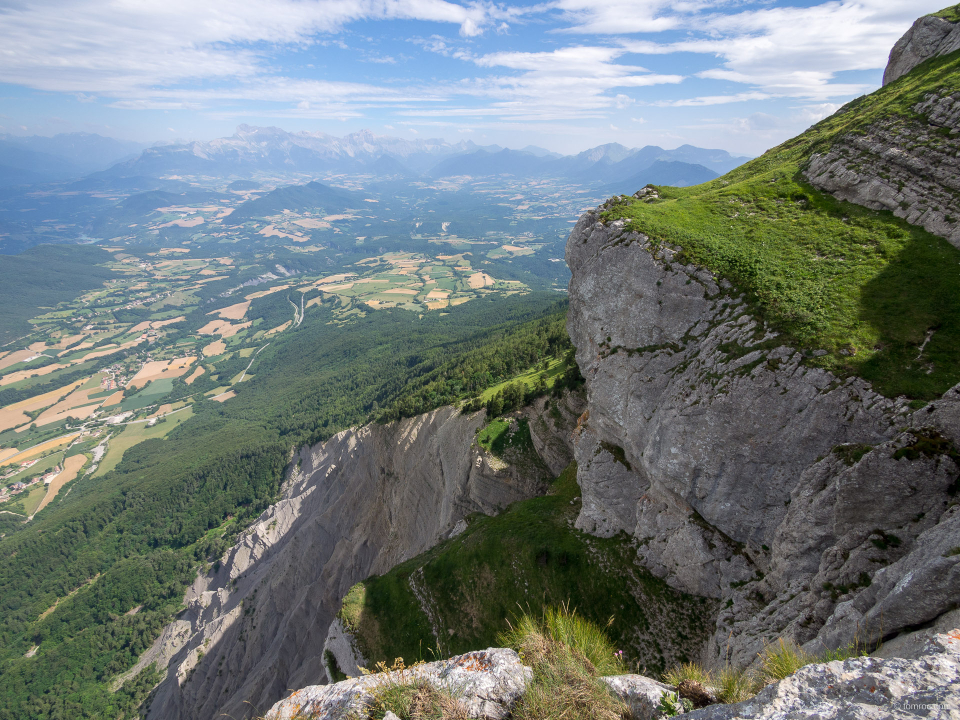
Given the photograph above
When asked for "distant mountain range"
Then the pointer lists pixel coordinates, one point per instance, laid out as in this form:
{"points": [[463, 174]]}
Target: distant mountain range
{"points": [[254, 151], [35, 159]]}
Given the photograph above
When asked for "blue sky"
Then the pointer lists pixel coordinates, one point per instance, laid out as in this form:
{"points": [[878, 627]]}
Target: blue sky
{"points": [[562, 74]]}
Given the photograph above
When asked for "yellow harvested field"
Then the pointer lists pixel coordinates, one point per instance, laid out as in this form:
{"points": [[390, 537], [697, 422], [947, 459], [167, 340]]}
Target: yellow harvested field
{"points": [[104, 353], [438, 305], [262, 293], [400, 291], [207, 271], [172, 250], [214, 348], [338, 217], [80, 413], [15, 357], [232, 312], [71, 467], [192, 222], [76, 348], [77, 404], [222, 327], [479, 280], [38, 346], [281, 328], [114, 399], [194, 375], [160, 411], [7, 453], [13, 415], [140, 327], [43, 448], [159, 369], [311, 223], [438, 295], [334, 288], [24, 374], [64, 341], [225, 396], [163, 323], [459, 301], [271, 231]]}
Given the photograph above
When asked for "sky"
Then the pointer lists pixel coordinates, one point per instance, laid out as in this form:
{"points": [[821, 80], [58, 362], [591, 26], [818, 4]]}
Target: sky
{"points": [[565, 75]]}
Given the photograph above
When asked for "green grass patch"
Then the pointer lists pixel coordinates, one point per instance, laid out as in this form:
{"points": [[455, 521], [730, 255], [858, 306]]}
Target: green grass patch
{"points": [[493, 437], [864, 285], [951, 13], [555, 368], [568, 654], [148, 395], [135, 434], [528, 558]]}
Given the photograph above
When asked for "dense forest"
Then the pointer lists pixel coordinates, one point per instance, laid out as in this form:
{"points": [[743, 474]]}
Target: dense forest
{"points": [[119, 551]]}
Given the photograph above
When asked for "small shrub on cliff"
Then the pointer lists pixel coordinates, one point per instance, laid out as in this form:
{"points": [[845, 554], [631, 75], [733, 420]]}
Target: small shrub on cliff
{"points": [[415, 700], [783, 659], [731, 684], [568, 655]]}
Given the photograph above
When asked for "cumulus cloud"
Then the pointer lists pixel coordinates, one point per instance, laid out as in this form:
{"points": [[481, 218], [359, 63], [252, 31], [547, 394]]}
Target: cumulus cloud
{"points": [[791, 51], [112, 47]]}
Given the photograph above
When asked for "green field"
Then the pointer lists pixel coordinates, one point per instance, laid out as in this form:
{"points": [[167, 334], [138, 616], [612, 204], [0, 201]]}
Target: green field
{"points": [[133, 434], [555, 368]]}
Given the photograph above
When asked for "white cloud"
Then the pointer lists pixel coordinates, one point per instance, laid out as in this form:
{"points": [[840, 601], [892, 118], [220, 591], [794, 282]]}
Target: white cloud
{"points": [[705, 100], [112, 47], [793, 51]]}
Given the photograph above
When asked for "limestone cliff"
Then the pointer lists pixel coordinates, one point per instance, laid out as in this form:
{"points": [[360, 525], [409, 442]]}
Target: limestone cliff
{"points": [[353, 506], [809, 504], [929, 37]]}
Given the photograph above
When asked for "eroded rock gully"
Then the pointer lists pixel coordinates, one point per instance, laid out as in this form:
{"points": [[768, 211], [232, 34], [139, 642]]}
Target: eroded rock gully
{"points": [[812, 507], [356, 505]]}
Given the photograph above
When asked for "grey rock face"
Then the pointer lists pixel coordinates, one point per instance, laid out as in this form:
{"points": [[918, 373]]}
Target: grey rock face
{"points": [[928, 37], [860, 688], [906, 166], [640, 694], [358, 504], [800, 500], [552, 422], [341, 646], [487, 682]]}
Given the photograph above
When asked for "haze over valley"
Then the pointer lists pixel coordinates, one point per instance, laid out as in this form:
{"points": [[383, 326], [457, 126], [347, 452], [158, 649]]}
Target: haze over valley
{"points": [[429, 359]]}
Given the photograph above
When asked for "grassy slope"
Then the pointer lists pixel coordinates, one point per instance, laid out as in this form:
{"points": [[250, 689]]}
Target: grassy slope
{"points": [[951, 13], [526, 559], [829, 274]]}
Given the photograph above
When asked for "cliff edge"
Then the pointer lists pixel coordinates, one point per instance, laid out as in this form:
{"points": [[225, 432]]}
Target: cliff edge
{"points": [[766, 414]]}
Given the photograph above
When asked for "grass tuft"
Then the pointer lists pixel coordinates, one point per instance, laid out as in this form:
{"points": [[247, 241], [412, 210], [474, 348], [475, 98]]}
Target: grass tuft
{"points": [[568, 654], [782, 659]]}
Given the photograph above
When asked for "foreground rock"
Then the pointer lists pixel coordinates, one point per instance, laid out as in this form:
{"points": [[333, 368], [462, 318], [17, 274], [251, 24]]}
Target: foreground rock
{"points": [[490, 682], [926, 686], [487, 683]]}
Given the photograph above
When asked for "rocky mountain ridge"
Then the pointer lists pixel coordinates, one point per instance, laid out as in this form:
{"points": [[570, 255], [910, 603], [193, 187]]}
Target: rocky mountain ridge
{"points": [[357, 505], [811, 506]]}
